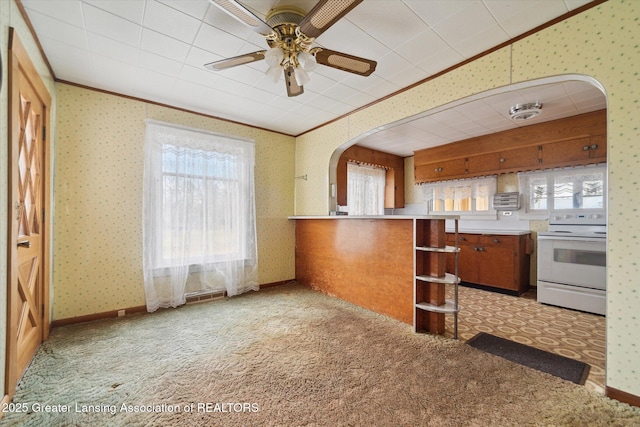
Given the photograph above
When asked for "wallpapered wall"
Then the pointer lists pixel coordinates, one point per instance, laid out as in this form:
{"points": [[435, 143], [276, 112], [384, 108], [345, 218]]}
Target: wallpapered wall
{"points": [[98, 199], [603, 43]]}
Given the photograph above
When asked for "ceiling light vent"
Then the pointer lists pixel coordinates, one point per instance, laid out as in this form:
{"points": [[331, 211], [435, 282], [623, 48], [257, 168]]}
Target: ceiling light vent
{"points": [[525, 111]]}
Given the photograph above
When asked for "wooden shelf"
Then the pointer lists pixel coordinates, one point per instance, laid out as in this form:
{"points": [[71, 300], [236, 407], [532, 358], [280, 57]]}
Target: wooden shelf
{"points": [[447, 249], [448, 279], [449, 307], [431, 278]]}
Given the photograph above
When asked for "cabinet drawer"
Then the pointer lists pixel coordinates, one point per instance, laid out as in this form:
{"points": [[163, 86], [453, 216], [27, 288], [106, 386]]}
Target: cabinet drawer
{"points": [[492, 239], [467, 238]]}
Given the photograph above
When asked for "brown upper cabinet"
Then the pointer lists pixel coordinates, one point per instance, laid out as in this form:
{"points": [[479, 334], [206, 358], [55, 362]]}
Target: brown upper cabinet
{"points": [[573, 141], [579, 150]]}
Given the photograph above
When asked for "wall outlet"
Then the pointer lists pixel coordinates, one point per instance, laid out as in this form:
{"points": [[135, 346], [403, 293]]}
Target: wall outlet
{"points": [[121, 313]]}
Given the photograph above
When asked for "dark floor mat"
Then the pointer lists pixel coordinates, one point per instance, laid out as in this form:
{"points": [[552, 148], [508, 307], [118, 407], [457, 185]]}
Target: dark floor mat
{"points": [[554, 364]]}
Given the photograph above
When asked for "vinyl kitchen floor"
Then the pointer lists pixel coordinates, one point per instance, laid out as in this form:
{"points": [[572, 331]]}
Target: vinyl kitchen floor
{"points": [[570, 333]]}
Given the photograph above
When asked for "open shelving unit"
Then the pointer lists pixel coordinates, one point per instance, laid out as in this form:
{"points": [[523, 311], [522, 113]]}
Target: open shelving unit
{"points": [[431, 279]]}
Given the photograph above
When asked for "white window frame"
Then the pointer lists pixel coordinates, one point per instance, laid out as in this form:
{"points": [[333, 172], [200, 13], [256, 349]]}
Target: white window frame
{"points": [[430, 190], [525, 188]]}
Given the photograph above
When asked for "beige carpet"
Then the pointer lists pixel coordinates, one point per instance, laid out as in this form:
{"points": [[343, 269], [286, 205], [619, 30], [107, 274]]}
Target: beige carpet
{"points": [[287, 356]]}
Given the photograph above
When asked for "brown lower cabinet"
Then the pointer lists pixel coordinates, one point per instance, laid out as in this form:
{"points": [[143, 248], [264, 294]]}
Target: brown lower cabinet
{"points": [[496, 260]]}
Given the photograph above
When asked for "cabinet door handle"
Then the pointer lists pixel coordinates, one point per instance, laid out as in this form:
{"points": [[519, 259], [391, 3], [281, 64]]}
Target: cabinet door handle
{"points": [[480, 249], [24, 244], [585, 148], [502, 160], [594, 146], [496, 240], [438, 169], [463, 239]]}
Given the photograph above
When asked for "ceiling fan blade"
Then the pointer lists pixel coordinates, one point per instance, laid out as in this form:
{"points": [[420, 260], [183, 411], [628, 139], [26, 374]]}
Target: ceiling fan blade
{"points": [[345, 62], [244, 15], [293, 88], [324, 14], [247, 58]]}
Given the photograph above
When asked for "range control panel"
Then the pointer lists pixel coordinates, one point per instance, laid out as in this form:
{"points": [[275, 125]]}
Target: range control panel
{"points": [[598, 217]]}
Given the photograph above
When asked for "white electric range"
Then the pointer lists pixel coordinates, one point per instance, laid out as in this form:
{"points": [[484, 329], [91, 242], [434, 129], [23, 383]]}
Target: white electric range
{"points": [[572, 261]]}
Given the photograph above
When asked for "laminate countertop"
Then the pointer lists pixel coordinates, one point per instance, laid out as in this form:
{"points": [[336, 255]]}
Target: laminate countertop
{"points": [[374, 217], [492, 232]]}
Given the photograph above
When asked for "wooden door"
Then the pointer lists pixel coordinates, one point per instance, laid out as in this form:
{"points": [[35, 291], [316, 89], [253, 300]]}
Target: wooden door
{"points": [[28, 320]]}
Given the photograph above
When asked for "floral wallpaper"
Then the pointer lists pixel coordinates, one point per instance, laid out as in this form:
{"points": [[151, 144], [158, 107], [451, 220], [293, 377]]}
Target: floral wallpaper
{"points": [[98, 199], [603, 43]]}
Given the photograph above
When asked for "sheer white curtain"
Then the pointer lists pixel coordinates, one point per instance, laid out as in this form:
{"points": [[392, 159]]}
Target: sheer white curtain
{"points": [[468, 195], [199, 230], [365, 189]]}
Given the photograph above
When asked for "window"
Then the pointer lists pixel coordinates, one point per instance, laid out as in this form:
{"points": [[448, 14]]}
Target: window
{"points": [[207, 182], [365, 189], [199, 232], [469, 196], [567, 189]]}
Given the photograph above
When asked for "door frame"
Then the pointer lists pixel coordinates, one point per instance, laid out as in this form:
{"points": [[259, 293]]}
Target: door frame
{"points": [[20, 62]]}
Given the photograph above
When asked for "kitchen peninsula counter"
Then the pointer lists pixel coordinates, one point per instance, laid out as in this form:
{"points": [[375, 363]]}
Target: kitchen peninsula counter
{"points": [[366, 260]]}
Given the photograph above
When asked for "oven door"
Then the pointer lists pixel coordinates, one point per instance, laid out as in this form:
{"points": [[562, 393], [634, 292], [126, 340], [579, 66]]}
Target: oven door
{"points": [[574, 261]]}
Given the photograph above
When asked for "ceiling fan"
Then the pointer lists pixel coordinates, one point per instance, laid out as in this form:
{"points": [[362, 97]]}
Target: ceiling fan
{"points": [[290, 35]]}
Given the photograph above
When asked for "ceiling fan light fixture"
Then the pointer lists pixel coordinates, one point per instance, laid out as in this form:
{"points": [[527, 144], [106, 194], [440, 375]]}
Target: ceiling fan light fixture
{"points": [[274, 56], [307, 61], [302, 77], [525, 111], [274, 73]]}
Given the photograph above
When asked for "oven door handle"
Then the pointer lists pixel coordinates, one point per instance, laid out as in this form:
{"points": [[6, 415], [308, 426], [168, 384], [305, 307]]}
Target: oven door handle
{"points": [[574, 239]]}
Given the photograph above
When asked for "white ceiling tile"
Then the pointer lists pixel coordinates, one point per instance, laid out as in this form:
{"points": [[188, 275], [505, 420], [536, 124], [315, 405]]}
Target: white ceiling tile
{"points": [[359, 99], [198, 75], [68, 62], [574, 4], [197, 57], [60, 31], [169, 21], [164, 61], [243, 74], [519, 16], [113, 49], [146, 83], [390, 65], [438, 60], [474, 18], [391, 30], [131, 10], [161, 44], [159, 64], [407, 77], [109, 74], [359, 43], [69, 11], [339, 92], [194, 8], [319, 83], [476, 42], [108, 25], [219, 42], [421, 44], [435, 11]]}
